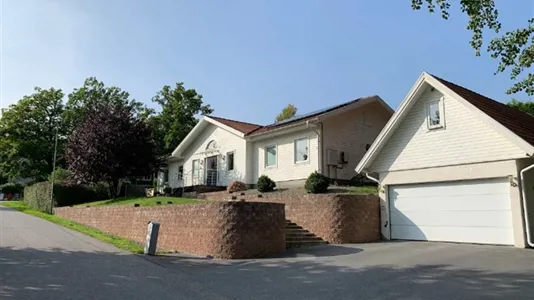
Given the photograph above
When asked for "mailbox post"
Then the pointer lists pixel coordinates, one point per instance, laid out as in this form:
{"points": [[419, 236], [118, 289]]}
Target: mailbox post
{"points": [[152, 238]]}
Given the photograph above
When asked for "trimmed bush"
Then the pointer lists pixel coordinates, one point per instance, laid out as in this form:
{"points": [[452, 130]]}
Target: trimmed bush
{"points": [[38, 195], [61, 175], [265, 184], [11, 188], [317, 183], [236, 186]]}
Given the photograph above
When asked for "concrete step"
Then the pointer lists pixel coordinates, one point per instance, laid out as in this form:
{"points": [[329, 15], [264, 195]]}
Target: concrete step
{"points": [[303, 238], [298, 234], [293, 226]]}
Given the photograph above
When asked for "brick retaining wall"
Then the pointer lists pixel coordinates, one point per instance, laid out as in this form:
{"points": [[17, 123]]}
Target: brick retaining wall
{"points": [[222, 230], [337, 218]]}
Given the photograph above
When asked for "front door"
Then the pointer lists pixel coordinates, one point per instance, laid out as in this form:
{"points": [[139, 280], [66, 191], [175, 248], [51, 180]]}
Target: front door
{"points": [[211, 170]]}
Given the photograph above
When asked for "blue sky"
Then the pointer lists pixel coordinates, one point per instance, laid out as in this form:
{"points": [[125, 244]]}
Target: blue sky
{"points": [[248, 58]]}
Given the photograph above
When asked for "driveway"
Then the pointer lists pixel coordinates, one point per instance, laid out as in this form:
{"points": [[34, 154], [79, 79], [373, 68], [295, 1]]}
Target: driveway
{"points": [[393, 270]]}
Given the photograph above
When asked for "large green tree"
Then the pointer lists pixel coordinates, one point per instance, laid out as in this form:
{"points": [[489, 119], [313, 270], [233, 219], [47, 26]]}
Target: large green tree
{"points": [[526, 106], [513, 49], [288, 112], [27, 134], [84, 100], [180, 108]]}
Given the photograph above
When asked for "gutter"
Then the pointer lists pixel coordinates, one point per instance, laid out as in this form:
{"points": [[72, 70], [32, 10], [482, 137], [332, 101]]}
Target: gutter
{"points": [[525, 206], [275, 130]]}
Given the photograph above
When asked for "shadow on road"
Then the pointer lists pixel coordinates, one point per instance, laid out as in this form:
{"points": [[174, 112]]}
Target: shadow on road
{"points": [[57, 274]]}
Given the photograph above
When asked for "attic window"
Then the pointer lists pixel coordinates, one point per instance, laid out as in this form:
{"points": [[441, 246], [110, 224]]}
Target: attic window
{"points": [[435, 114]]}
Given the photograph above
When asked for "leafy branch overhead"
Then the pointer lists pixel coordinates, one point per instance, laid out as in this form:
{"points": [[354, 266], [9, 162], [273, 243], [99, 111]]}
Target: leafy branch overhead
{"points": [[514, 49], [288, 112]]}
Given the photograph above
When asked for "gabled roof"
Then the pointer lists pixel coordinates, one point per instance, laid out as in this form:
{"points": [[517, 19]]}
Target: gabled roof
{"points": [[515, 120], [515, 125], [237, 125], [304, 118]]}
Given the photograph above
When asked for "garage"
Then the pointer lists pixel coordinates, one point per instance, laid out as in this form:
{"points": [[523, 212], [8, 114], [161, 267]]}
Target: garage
{"points": [[474, 211]]}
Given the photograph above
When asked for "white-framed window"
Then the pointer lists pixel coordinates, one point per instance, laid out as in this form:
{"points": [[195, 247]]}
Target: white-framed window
{"points": [[196, 168], [230, 161], [270, 156], [301, 150], [180, 172], [435, 114]]}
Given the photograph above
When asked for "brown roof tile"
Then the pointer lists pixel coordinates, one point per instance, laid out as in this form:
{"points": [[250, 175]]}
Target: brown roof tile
{"points": [[237, 125], [520, 123]]}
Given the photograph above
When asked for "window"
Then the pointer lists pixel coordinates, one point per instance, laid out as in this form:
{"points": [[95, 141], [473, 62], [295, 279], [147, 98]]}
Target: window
{"points": [[270, 156], [166, 176], [301, 150], [180, 172], [196, 168], [435, 114], [230, 161]]}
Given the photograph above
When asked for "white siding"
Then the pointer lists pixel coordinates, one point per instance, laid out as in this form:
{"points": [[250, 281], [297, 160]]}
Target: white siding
{"points": [[286, 168], [226, 142], [173, 174], [464, 139], [350, 132]]}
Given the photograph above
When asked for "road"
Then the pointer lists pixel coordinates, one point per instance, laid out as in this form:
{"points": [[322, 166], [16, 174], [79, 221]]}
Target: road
{"points": [[41, 260]]}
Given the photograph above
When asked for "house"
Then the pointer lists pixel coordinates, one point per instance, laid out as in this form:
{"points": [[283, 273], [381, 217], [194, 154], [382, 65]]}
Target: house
{"points": [[456, 166], [332, 141]]}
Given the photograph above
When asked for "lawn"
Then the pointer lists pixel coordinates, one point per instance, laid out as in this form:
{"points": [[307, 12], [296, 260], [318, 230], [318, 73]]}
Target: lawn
{"points": [[142, 201], [361, 190], [104, 237]]}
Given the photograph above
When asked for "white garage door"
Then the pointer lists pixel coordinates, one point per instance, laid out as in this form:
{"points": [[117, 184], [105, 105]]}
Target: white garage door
{"points": [[475, 211]]}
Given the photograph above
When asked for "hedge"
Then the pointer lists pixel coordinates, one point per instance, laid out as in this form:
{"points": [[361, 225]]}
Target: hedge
{"points": [[38, 195]]}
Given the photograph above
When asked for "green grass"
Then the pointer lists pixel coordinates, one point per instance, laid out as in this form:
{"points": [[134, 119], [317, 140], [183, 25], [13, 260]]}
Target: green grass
{"points": [[143, 201], [362, 190], [97, 234]]}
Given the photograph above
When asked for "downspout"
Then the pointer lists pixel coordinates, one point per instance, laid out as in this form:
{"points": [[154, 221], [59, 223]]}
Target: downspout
{"points": [[372, 178], [524, 202]]}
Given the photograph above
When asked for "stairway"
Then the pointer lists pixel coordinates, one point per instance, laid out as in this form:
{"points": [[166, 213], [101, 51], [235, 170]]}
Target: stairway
{"points": [[297, 237]]}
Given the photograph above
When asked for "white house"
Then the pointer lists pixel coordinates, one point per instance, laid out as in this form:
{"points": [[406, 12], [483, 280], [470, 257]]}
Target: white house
{"points": [[454, 165], [331, 141]]}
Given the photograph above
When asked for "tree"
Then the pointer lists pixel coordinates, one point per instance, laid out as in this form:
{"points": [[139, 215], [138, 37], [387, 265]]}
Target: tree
{"points": [[84, 100], [27, 135], [111, 145], [525, 106], [514, 49], [288, 112], [180, 108]]}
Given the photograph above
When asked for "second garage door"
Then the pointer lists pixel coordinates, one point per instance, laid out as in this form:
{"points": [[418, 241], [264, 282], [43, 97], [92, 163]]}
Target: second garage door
{"points": [[475, 211]]}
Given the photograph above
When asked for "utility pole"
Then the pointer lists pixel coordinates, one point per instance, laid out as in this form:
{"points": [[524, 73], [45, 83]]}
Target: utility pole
{"points": [[53, 176]]}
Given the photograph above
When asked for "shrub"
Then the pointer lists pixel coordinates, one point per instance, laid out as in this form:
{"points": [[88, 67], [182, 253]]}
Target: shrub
{"points": [[265, 184], [236, 186], [11, 188], [167, 190], [61, 175], [38, 195], [317, 183]]}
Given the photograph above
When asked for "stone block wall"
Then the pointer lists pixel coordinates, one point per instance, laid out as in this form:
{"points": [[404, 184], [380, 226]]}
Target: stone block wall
{"points": [[336, 218], [220, 229]]}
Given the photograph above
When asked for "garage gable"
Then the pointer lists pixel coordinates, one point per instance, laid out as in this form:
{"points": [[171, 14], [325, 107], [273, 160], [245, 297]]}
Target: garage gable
{"points": [[465, 133]]}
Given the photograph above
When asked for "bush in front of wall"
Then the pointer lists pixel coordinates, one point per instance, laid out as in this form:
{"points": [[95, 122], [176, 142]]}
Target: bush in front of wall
{"points": [[317, 183], [236, 186], [265, 184]]}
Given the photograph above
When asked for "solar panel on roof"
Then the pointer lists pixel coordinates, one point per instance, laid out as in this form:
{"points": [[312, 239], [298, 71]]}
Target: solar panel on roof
{"points": [[297, 117]]}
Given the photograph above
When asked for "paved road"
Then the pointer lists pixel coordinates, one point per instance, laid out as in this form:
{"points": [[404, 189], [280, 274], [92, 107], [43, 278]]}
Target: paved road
{"points": [[41, 260], [393, 270]]}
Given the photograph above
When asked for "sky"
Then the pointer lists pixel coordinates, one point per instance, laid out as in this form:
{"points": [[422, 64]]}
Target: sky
{"points": [[248, 58]]}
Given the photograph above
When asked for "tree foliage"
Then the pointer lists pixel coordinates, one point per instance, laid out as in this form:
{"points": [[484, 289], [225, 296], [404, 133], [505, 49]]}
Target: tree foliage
{"points": [[514, 49], [27, 135], [85, 100], [288, 112], [111, 145], [180, 108], [525, 106]]}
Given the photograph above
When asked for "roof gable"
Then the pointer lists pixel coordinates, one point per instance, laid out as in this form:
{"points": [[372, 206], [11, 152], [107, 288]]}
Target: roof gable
{"points": [[484, 108]]}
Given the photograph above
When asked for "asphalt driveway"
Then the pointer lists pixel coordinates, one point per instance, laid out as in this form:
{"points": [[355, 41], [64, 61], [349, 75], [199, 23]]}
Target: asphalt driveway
{"points": [[393, 270]]}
